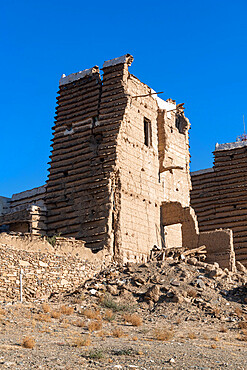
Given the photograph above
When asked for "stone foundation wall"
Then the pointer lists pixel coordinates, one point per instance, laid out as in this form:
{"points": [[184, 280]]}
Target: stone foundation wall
{"points": [[44, 273]]}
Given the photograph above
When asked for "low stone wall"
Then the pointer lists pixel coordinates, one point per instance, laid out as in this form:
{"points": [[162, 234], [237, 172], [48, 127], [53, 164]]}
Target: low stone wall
{"points": [[219, 245], [43, 273]]}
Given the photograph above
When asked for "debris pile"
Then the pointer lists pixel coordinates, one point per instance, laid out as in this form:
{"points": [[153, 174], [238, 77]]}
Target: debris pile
{"points": [[179, 284]]}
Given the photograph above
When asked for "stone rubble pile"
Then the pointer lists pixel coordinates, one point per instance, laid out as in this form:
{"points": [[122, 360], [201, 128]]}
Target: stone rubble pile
{"points": [[158, 285]]}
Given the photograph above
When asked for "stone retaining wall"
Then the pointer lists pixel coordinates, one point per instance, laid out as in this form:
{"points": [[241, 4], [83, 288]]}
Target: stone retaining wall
{"points": [[43, 273]]}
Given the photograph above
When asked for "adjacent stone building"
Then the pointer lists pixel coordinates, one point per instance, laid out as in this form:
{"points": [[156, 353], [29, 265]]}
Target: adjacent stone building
{"points": [[219, 194]]}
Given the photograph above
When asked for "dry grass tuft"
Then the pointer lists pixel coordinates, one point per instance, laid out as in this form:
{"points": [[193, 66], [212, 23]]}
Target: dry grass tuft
{"points": [[163, 334], [43, 317], [205, 336], [118, 332], [242, 324], [213, 346], [81, 342], [216, 338], [192, 293], [238, 312], [191, 335], [79, 323], [223, 329], [46, 308], [109, 315], [91, 314], [133, 319], [56, 314], [28, 342], [2, 311], [134, 338], [95, 325], [66, 310], [216, 311]]}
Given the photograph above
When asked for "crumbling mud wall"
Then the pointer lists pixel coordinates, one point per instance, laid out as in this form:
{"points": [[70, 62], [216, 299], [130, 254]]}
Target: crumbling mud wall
{"points": [[220, 248], [81, 180], [118, 152], [219, 195], [138, 167], [26, 212], [174, 157]]}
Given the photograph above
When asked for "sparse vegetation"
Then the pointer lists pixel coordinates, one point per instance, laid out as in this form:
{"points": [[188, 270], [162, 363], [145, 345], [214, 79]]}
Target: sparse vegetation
{"points": [[46, 308], [133, 319], [109, 315], [91, 314], [81, 341], [66, 310], [191, 335], [28, 342], [43, 317], [56, 314], [96, 354], [108, 302], [118, 332], [95, 325], [163, 334]]}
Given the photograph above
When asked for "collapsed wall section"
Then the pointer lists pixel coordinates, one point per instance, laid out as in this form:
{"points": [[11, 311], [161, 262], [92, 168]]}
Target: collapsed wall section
{"points": [[219, 195]]}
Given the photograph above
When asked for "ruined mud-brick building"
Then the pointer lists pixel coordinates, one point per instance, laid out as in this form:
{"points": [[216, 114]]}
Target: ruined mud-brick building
{"points": [[219, 194], [119, 171]]}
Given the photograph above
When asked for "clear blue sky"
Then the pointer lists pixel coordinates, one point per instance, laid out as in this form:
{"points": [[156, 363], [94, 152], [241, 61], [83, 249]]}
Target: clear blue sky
{"points": [[195, 51]]}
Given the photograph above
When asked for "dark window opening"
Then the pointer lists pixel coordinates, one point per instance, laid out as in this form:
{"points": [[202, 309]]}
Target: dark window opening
{"points": [[147, 132], [95, 120], [69, 127], [65, 173], [231, 156]]}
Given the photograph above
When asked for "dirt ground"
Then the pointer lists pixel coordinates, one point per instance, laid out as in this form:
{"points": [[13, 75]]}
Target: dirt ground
{"points": [[173, 314]]}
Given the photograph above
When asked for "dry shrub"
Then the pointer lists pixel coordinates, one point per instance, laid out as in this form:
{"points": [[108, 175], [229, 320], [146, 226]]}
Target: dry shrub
{"points": [[2, 311], [79, 323], [192, 293], [238, 312], [223, 329], [81, 342], [101, 334], [242, 324], [216, 338], [43, 317], [46, 308], [91, 314], [56, 314], [205, 336], [133, 319], [134, 338], [66, 310], [95, 325], [28, 342], [118, 332], [216, 311], [79, 299], [108, 315], [213, 346], [191, 335], [163, 334]]}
